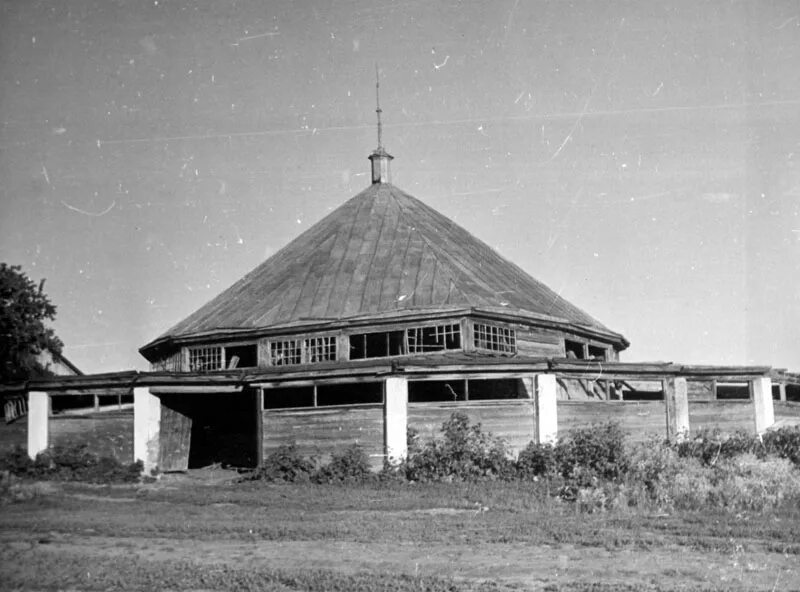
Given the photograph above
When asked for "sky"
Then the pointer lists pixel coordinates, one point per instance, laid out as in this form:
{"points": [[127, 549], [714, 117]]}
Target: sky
{"points": [[642, 159]]}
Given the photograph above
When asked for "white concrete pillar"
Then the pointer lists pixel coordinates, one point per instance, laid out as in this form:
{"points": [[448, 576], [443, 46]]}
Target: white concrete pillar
{"points": [[146, 427], [761, 393], [676, 401], [38, 415], [546, 409], [395, 419]]}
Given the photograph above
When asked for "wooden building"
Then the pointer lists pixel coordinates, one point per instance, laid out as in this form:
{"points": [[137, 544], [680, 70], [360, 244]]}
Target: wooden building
{"points": [[386, 316], [382, 278]]}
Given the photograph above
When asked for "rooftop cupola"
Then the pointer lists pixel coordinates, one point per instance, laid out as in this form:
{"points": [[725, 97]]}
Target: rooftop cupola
{"points": [[380, 158]]}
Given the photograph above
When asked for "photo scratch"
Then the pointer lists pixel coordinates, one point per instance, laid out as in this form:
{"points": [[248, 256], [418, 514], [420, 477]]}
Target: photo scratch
{"points": [[84, 212]]}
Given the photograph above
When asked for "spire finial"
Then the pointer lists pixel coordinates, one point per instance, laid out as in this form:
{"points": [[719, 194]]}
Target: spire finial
{"points": [[380, 158], [378, 105]]}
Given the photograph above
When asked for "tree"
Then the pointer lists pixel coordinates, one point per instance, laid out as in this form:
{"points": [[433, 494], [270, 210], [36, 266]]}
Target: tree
{"points": [[24, 308]]}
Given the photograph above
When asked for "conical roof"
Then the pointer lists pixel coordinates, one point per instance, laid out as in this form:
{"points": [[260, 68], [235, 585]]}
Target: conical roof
{"points": [[382, 251]]}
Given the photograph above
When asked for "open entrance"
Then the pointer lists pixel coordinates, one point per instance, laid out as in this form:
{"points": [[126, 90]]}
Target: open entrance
{"points": [[198, 430]]}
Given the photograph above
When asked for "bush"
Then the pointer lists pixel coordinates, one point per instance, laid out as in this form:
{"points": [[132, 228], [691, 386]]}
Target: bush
{"points": [[70, 463], [464, 452], [709, 446], [785, 443], [597, 451], [284, 464], [537, 460], [349, 466]]}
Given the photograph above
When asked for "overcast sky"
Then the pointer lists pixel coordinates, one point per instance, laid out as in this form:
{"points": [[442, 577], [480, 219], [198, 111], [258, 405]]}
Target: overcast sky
{"points": [[641, 158]]}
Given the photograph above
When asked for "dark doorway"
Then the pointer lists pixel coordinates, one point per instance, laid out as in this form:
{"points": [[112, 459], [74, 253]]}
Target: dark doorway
{"points": [[222, 428]]}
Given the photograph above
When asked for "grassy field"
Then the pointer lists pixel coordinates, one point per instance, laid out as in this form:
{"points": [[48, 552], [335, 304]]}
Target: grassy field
{"points": [[202, 532]]}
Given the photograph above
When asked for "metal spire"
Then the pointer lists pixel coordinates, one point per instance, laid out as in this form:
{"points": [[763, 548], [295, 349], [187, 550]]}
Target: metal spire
{"points": [[378, 103]]}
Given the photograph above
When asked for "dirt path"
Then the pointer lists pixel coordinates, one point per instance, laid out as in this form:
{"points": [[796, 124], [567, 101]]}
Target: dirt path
{"points": [[517, 564]]}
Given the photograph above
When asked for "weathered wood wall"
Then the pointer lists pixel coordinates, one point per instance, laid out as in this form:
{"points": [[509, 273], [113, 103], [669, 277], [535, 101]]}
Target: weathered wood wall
{"points": [[727, 415], [639, 419], [511, 420], [107, 433], [323, 430], [787, 410], [539, 342]]}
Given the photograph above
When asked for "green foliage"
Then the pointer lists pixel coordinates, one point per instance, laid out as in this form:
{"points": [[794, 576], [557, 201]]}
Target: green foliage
{"points": [[465, 452], [23, 334], [537, 460], [709, 446], [284, 464], [784, 443], [349, 466], [594, 452], [70, 463]]}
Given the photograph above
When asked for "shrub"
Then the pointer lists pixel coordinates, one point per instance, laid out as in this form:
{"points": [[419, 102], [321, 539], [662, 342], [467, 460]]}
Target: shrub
{"points": [[709, 446], [284, 464], [598, 451], [784, 442], [349, 466], [465, 452], [537, 460], [70, 463]]}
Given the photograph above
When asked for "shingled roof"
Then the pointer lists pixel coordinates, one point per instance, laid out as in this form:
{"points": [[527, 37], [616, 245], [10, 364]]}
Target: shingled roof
{"points": [[383, 251]]}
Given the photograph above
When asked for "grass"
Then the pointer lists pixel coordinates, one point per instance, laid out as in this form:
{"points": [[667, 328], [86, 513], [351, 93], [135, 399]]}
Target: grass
{"points": [[181, 535]]}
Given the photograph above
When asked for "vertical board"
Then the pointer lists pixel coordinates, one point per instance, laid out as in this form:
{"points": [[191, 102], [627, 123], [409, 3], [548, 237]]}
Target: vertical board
{"points": [[176, 435]]}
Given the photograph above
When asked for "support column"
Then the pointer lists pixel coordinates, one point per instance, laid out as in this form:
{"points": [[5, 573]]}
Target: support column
{"points": [[38, 415], [761, 393], [676, 401], [782, 391], [546, 409], [146, 428], [395, 419]]}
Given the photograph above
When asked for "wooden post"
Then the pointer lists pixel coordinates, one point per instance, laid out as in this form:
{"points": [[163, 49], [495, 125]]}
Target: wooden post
{"points": [[676, 401], [782, 391], [545, 409], [38, 415], [761, 393], [97, 402], [395, 419], [146, 428]]}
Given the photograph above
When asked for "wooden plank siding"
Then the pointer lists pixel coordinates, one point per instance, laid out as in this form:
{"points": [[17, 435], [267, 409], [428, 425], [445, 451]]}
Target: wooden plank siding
{"points": [[786, 410], [108, 433], [511, 420], [324, 430], [727, 415], [639, 419], [537, 342]]}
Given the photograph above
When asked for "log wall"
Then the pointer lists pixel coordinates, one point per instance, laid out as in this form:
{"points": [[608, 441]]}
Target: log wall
{"points": [[321, 431], [511, 420], [108, 433]]}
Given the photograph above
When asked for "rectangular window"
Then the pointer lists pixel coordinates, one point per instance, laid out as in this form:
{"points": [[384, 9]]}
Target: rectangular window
{"points": [[574, 349], [435, 338], [205, 359], [311, 350], [377, 345], [320, 349], [597, 353], [494, 338], [285, 353]]}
